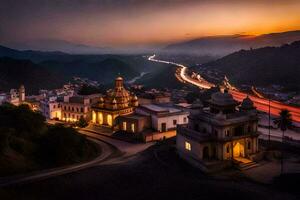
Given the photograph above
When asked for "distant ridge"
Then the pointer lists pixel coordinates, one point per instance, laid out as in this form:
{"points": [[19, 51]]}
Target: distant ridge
{"points": [[224, 45], [30, 54]]}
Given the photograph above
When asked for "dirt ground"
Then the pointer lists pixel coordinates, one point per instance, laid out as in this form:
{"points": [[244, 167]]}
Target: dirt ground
{"points": [[157, 173]]}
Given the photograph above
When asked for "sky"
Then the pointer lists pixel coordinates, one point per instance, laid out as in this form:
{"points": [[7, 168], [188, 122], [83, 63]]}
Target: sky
{"points": [[117, 23]]}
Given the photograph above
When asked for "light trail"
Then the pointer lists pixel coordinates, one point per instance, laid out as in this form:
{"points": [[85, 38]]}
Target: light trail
{"points": [[262, 104], [203, 85]]}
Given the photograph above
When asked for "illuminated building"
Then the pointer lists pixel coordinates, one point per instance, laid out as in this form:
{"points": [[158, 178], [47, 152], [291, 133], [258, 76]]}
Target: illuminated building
{"points": [[51, 108], [220, 135], [117, 102], [75, 107]]}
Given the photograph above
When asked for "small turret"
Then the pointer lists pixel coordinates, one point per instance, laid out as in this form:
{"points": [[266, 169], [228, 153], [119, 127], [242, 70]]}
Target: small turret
{"points": [[134, 101], [22, 93], [196, 107]]}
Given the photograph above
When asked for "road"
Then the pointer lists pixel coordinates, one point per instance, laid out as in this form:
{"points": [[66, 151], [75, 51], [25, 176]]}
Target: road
{"points": [[262, 104], [112, 151], [204, 85]]}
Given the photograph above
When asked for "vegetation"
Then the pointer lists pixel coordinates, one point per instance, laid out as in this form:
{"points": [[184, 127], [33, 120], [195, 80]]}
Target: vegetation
{"points": [[284, 121], [27, 143], [82, 122], [264, 66]]}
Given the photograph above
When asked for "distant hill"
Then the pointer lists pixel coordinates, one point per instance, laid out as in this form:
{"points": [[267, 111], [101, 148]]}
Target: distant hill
{"points": [[263, 66], [30, 55], [162, 78], [103, 71], [224, 45], [14, 72]]}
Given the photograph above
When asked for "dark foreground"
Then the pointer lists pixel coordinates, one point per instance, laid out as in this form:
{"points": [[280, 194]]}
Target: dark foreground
{"points": [[156, 173]]}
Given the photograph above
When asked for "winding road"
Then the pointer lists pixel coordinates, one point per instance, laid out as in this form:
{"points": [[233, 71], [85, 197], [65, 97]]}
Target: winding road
{"points": [[262, 104]]}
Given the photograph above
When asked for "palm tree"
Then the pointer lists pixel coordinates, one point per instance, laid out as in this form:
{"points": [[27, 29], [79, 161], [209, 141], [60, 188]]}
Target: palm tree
{"points": [[284, 121]]}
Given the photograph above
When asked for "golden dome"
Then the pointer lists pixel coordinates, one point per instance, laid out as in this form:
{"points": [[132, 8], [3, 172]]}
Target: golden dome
{"points": [[119, 96]]}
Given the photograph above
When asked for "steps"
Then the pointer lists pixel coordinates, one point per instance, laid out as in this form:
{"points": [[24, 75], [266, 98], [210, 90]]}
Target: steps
{"points": [[245, 164]]}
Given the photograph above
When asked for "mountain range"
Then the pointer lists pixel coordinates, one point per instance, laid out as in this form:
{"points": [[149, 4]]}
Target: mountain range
{"points": [[263, 66], [223, 45]]}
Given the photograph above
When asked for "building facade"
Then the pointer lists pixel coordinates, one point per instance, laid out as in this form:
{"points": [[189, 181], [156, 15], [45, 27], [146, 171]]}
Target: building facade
{"points": [[117, 102], [75, 107], [163, 118], [223, 132], [51, 108]]}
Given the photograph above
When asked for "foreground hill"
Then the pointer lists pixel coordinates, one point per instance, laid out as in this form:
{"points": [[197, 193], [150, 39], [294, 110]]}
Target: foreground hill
{"points": [[223, 45], [14, 72], [27, 143], [264, 66]]}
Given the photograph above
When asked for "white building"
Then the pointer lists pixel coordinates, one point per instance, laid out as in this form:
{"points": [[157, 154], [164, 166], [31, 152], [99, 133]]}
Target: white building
{"points": [[163, 118], [51, 108]]}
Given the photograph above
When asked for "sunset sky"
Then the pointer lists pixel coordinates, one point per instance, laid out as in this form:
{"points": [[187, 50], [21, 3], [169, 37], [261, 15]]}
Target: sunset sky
{"points": [[132, 22]]}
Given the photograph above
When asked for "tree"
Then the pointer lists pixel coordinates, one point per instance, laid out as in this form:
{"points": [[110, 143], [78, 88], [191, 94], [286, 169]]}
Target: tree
{"points": [[284, 121], [82, 122]]}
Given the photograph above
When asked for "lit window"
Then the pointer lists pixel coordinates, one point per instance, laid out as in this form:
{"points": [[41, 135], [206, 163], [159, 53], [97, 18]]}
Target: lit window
{"points": [[188, 146], [124, 126], [109, 120], [132, 128], [94, 117]]}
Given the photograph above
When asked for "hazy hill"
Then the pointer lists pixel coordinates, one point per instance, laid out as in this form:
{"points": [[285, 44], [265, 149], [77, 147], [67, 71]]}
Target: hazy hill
{"points": [[223, 45], [35, 56], [103, 71], [263, 66], [14, 72]]}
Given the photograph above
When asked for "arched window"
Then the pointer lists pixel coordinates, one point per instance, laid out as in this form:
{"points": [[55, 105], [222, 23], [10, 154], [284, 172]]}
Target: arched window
{"points": [[249, 145], [205, 153], [109, 120]]}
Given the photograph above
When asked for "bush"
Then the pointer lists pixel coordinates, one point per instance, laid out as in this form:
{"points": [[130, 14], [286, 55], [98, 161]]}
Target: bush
{"points": [[61, 145]]}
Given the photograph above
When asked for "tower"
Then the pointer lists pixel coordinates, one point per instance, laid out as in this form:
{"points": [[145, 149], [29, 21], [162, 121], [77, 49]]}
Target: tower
{"points": [[22, 93]]}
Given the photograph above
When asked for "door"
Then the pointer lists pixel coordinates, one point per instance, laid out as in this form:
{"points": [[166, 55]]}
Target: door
{"points": [[163, 127], [238, 150]]}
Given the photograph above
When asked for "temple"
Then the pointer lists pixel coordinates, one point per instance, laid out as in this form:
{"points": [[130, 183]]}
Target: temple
{"points": [[223, 134], [117, 102]]}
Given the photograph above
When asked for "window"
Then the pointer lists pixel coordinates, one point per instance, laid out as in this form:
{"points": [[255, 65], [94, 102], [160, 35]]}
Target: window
{"points": [[227, 149], [188, 146], [249, 145], [227, 133], [124, 126], [174, 122], [216, 132], [54, 106], [72, 108], [132, 127], [249, 129], [77, 109], [184, 119], [81, 109]]}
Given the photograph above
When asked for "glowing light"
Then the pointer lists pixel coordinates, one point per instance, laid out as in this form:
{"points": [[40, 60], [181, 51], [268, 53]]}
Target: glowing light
{"points": [[132, 127], [124, 126], [238, 150], [188, 146], [100, 118], [109, 120]]}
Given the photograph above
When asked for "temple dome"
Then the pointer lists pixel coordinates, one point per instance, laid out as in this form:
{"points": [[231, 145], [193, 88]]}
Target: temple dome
{"points": [[247, 104], [222, 99], [118, 95], [197, 104]]}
